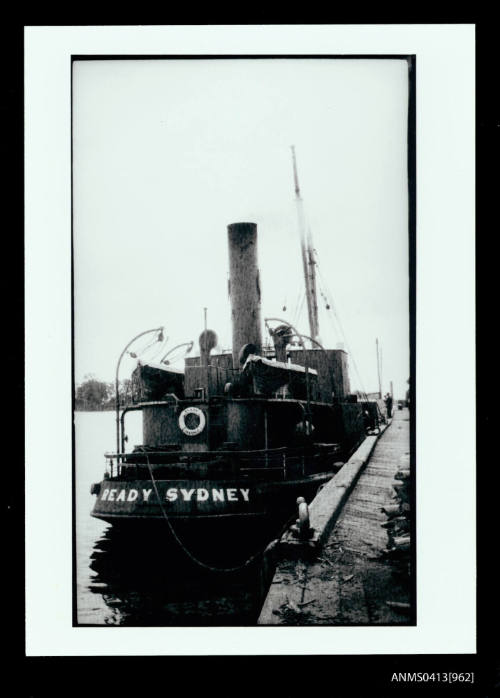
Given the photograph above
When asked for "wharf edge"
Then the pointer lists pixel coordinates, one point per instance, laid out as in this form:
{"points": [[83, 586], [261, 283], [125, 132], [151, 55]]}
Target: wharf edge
{"points": [[316, 590]]}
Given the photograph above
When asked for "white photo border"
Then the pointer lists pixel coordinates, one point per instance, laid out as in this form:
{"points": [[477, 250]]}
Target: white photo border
{"points": [[445, 348]]}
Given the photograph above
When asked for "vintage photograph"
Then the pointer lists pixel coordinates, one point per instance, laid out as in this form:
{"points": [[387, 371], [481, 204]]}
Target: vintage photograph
{"points": [[243, 251]]}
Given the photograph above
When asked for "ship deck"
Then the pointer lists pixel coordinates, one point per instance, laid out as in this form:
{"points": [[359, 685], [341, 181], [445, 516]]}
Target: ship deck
{"points": [[352, 582]]}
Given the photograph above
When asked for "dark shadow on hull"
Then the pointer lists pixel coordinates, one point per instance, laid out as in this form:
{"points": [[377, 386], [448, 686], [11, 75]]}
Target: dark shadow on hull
{"points": [[146, 578]]}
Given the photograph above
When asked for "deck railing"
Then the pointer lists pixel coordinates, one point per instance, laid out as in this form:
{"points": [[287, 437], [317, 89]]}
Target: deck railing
{"points": [[300, 460]]}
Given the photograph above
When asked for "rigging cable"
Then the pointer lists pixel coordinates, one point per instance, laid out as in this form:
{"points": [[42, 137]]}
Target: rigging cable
{"points": [[297, 304], [160, 350], [330, 302], [362, 388], [137, 354], [300, 309]]}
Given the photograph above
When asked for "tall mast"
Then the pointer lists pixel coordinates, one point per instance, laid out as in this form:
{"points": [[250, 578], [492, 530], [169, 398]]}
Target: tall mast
{"points": [[308, 260], [378, 370]]}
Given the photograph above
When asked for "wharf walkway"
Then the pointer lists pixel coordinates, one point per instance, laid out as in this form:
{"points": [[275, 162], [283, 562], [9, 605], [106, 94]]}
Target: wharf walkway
{"points": [[351, 581]]}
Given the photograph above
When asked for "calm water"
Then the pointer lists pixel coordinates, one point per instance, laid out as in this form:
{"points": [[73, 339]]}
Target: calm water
{"points": [[126, 580]]}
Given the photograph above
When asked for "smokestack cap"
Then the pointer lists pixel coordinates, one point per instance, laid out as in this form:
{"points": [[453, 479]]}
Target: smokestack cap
{"points": [[240, 232]]}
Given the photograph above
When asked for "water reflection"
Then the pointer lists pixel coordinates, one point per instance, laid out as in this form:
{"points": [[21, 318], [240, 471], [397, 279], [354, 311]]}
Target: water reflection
{"points": [[146, 580]]}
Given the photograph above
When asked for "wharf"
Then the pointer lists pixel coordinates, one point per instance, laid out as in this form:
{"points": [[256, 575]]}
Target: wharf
{"points": [[351, 581]]}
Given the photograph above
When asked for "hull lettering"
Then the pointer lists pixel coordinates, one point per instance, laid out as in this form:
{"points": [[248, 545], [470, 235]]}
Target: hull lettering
{"points": [[174, 494]]}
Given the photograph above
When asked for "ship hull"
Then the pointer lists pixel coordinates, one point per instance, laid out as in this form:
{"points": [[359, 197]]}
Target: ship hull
{"points": [[214, 521], [199, 499]]}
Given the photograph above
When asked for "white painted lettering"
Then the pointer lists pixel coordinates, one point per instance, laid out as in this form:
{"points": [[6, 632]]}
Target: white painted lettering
{"points": [[218, 495], [132, 495], [187, 494], [105, 495], [121, 496], [231, 495], [245, 494], [146, 494], [111, 497], [171, 494], [202, 494]]}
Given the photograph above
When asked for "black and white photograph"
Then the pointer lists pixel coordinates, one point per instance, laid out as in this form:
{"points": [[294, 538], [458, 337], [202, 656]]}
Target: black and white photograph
{"points": [[242, 341], [253, 278]]}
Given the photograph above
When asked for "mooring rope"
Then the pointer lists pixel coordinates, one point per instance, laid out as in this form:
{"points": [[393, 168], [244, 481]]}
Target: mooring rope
{"points": [[194, 559]]}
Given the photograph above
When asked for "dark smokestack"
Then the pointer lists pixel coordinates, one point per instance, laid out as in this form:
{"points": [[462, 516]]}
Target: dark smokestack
{"points": [[244, 288]]}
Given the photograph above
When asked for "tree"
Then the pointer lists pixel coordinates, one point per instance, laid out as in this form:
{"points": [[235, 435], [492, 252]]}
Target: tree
{"points": [[125, 391], [92, 394]]}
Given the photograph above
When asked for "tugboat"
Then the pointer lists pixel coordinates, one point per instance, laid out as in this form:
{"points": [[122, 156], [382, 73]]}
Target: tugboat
{"points": [[230, 443]]}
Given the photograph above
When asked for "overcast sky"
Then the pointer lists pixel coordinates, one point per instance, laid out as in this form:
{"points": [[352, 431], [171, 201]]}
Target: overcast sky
{"points": [[167, 153]]}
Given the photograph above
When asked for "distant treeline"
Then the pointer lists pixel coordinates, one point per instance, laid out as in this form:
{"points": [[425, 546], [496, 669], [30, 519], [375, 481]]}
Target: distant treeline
{"points": [[95, 395]]}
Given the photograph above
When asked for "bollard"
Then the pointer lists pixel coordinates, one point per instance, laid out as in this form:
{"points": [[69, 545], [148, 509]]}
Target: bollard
{"points": [[303, 520]]}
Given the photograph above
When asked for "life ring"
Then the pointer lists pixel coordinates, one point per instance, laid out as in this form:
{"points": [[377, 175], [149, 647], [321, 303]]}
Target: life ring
{"points": [[195, 430]]}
